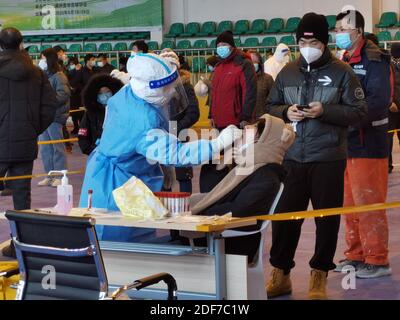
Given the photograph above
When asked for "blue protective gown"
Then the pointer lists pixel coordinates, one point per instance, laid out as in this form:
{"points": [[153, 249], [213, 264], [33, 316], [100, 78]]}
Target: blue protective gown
{"points": [[135, 141]]}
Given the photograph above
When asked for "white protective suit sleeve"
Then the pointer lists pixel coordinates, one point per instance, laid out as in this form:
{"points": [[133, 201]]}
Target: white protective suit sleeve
{"points": [[158, 146]]}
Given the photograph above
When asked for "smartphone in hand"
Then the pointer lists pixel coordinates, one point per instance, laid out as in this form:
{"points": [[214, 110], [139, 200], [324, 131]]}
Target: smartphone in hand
{"points": [[302, 107]]}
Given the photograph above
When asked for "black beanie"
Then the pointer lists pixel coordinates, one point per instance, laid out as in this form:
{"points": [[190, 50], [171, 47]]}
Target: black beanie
{"points": [[227, 37], [313, 25], [395, 50]]}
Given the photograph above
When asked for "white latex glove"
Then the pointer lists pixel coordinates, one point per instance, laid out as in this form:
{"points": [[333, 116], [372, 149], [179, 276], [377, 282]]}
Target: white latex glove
{"points": [[228, 136], [122, 76]]}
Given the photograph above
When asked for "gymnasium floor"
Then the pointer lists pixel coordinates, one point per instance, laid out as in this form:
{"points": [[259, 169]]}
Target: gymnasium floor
{"points": [[384, 288]]}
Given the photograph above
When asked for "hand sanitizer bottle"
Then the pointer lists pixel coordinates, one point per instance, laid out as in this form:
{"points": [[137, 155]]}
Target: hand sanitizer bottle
{"points": [[64, 194]]}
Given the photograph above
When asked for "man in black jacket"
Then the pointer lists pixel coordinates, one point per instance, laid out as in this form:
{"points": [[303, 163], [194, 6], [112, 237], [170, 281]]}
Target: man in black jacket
{"points": [[27, 107], [321, 96]]}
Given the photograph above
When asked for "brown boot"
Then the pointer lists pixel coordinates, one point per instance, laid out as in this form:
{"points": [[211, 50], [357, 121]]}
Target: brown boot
{"points": [[279, 284], [318, 282]]}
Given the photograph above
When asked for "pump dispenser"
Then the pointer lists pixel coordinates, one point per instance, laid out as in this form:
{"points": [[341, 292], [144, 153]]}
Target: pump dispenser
{"points": [[64, 194]]}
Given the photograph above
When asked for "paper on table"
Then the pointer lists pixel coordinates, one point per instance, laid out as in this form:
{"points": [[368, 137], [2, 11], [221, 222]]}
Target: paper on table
{"points": [[202, 219]]}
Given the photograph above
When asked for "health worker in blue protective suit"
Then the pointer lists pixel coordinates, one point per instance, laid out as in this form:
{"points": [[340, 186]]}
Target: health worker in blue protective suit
{"points": [[135, 140]]}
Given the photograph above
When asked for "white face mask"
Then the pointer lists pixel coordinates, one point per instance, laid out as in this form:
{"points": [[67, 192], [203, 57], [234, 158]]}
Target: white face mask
{"points": [[42, 64], [311, 54], [100, 64]]}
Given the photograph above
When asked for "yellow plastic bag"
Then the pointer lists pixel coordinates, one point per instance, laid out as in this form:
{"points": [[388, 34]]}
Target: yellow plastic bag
{"points": [[134, 199], [6, 292]]}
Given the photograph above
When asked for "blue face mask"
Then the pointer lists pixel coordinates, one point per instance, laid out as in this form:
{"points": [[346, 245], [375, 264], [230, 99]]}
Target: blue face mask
{"points": [[257, 67], [224, 52], [210, 69], [343, 40], [103, 98]]}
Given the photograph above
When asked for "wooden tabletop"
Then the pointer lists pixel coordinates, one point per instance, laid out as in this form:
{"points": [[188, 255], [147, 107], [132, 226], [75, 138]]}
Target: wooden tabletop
{"points": [[183, 223]]}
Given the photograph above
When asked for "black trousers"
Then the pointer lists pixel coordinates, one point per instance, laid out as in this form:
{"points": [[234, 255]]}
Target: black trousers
{"points": [[21, 188], [394, 123], [323, 184]]}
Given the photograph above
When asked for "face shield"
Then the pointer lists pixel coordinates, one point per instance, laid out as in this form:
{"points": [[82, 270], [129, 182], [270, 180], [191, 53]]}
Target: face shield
{"points": [[157, 80]]}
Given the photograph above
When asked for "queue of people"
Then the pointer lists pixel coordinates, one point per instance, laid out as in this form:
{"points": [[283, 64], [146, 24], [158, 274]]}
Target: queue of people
{"points": [[316, 124]]}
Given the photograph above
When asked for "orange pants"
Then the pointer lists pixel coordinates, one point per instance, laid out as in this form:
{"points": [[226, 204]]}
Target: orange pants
{"points": [[367, 234]]}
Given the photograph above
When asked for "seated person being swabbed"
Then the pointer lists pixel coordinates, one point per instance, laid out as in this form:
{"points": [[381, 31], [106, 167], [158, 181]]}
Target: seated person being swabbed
{"points": [[251, 187]]}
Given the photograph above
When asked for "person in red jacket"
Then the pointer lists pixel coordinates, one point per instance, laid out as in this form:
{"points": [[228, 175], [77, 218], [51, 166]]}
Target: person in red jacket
{"points": [[234, 85]]}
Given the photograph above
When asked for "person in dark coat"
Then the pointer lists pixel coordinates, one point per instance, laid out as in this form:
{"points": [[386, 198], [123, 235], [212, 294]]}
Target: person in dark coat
{"points": [[185, 120], [367, 234], [95, 96], [251, 187], [394, 110], [88, 69], [103, 66], [321, 96], [27, 107], [74, 75], [264, 84]]}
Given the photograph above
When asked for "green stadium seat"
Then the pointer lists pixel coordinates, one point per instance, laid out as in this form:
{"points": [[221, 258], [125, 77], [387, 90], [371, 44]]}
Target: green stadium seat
{"points": [[75, 47], [33, 49], [175, 30], [200, 44], [224, 26], [258, 26], [124, 36], [105, 46], [65, 38], [291, 25], [388, 19], [288, 40], [153, 45], [207, 29], [44, 47], [199, 65], [50, 38], [384, 36], [331, 44], [90, 47], [183, 45], [62, 46], [397, 36], [251, 43], [241, 27], [213, 46], [275, 26], [192, 29], [120, 46], [269, 42], [331, 19], [108, 37], [238, 42], [114, 63], [36, 39], [167, 44], [79, 37]]}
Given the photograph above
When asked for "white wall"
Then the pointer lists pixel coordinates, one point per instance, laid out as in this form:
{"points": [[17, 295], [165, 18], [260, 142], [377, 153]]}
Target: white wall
{"points": [[217, 10], [390, 5]]}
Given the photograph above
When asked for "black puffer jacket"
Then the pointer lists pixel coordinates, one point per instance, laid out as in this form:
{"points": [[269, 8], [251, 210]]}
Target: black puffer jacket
{"points": [[27, 106], [91, 126], [334, 84]]}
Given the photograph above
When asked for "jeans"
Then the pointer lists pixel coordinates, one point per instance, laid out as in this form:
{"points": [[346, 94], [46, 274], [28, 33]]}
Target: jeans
{"points": [[21, 188], [53, 155]]}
